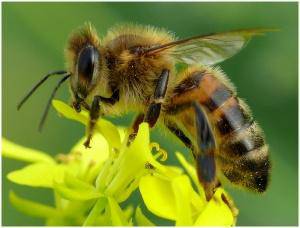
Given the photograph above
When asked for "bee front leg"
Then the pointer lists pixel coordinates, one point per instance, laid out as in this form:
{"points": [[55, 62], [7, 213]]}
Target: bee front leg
{"points": [[78, 102], [77, 106], [94, 116], [95, 112], [153, 111]]}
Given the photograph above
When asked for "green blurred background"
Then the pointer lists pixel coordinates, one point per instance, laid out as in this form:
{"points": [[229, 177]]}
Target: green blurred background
{"points": [[265, 73]]}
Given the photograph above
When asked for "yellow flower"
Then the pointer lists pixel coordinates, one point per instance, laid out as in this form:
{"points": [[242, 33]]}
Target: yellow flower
{"points": [[90, 184], [175, 199]]}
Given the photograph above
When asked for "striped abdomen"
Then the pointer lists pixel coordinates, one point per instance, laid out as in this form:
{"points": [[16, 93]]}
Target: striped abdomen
{"points": [[242, 154]]}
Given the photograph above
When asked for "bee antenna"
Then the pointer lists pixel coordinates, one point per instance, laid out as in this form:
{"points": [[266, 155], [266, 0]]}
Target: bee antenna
{"points": [[38, 84], [50, 99]]}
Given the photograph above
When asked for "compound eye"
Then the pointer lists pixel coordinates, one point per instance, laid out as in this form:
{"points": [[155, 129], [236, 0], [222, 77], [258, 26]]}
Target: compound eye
{"points": [[88, 58]]}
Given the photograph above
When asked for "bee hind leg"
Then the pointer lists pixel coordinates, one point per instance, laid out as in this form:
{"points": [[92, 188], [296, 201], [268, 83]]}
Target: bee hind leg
{"points": [[205, 153], [172, 126]]}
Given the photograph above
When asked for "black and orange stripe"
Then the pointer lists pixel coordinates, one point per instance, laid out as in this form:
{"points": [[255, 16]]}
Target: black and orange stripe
{"points": [[242, 148]]}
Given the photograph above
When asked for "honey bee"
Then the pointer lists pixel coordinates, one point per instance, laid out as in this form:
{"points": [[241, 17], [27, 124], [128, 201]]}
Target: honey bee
{"points": [[133, 68]]}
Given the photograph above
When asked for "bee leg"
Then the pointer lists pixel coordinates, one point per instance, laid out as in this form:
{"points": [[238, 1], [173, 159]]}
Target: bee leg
{"points": [[95, 112], [154, 108], [204, 156], [78, 102], [135, 127], [94, 116], [159, 94], [180, 134], [113, 99], [76, 105]]}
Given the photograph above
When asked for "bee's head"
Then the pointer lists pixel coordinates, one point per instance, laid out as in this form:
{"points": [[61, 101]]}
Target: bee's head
{"points": [[86, 71], [84, 61], [84, 67]]}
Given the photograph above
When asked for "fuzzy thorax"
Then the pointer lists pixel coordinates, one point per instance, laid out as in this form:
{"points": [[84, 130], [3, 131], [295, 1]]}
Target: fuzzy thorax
{"points": [[134, 75]]}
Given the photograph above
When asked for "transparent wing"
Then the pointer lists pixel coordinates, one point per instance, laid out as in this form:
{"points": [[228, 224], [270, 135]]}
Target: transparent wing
{"points": [[209, 49]]}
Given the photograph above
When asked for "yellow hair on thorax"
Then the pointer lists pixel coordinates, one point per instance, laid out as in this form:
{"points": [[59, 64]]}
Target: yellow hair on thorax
{"points": [[143, 34]]}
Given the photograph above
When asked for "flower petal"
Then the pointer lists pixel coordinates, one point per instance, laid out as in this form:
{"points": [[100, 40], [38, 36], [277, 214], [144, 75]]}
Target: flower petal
{"points": [[68, 112], [110, 132], [158, 196], [33, 208], [75, 183], [191, 172], [182, 191], [76, 194], [128, 212], [129, 165], [106, 128], [38, 175], [17, 152], [91, 157], [99, 147], [216, 212]]}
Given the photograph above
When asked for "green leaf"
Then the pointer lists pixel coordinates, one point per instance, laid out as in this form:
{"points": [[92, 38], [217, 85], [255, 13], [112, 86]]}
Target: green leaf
{"points": [[17, 152], [33, 208], [107, 129], [38, 175], [95, 212], [76, 194], [141, 219], [216, 212]]}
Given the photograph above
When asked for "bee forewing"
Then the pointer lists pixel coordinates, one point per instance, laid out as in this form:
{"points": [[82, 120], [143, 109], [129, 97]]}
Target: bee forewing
{"points": [[210, 49]]}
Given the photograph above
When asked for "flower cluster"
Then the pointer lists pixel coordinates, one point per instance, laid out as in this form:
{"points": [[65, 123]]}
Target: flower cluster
{"points": [[91, 184]]}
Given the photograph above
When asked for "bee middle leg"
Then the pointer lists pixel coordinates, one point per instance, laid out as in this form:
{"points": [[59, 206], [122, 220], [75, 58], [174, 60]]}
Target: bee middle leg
{"points": [[154, 108], [135, 127]]}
